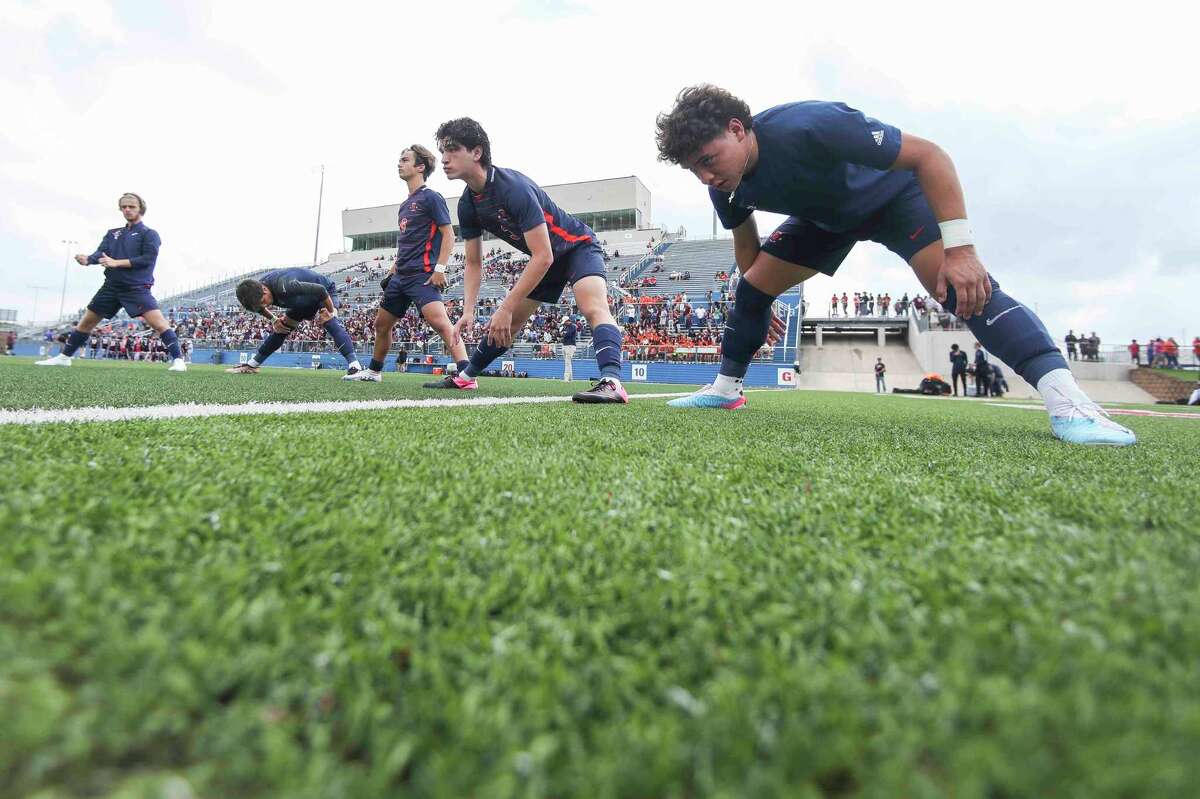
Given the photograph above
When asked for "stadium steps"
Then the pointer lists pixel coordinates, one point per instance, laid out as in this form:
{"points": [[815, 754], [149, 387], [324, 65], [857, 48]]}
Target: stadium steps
{"points": [[1162, 387], [850, 365]]}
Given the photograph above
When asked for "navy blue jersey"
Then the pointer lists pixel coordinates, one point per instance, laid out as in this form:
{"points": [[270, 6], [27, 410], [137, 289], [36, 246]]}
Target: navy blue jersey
{"points": [[822, 162], [420, 240], [137, 243], [568, 334], [510, 206], [297, 287]]}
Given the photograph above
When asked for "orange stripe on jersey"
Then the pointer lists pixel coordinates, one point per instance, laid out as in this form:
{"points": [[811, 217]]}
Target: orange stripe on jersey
{"points": [[564, 235], [429, 245]]}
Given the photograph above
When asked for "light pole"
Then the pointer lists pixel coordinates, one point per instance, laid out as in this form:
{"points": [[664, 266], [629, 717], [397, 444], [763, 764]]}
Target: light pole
{"points": [[320, 199], [62, 300]]}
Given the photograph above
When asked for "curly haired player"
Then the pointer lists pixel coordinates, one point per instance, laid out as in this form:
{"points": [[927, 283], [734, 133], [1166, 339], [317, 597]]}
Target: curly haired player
{"points": [[843, 177]]}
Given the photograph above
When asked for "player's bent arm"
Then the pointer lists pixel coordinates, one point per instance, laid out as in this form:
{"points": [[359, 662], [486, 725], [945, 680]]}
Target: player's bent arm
{"points": [[447, 250], [540, 259], [745, 244], [472, 276], [935, 172], [939, 182]]}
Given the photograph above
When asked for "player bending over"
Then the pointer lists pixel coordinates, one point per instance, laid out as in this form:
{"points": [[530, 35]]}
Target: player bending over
{"points": [[419, 274], [303, 295], [128, 255], [561, 250], [843, 177]]}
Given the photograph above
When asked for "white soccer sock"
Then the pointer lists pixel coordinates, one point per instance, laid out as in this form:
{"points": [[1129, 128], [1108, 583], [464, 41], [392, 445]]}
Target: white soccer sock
{"points": [[724, 384], [1060, 391], [355, 364]]}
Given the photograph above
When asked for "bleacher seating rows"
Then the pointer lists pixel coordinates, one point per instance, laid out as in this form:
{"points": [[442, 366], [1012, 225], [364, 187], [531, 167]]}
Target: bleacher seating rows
{"points": [[704, 259]]}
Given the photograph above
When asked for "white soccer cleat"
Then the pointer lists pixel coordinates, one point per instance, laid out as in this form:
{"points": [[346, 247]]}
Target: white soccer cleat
{"points": [[178, 365], [709, 397], [55, 360], [364, 376], [1088, 424]]}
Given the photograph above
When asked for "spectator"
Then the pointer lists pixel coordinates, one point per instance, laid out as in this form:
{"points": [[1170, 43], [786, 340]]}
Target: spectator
{"points": [[880, 371], [983, 371], [1172, 352], [1135, 350], [998, 384], [958, 368], [569, 332], [1071, 343]]}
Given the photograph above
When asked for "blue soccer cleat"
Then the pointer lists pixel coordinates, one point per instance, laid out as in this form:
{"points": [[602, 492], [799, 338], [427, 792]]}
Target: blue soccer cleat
{"points": [[708, 397], [1090, 425]]}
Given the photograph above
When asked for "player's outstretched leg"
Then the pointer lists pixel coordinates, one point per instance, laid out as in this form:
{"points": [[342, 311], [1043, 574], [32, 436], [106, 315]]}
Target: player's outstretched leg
{"points": [[1015, 335], [745, 331], [486, 352], [345, 345], [75, 340], [591, 293]]}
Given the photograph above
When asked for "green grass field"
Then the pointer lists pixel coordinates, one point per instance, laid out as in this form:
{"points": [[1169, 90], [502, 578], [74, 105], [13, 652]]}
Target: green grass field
{"points": [[823, 595]]}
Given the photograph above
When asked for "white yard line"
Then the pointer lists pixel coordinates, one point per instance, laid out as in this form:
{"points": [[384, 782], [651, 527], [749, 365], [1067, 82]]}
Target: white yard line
{"points": [[194, 411], [1029, 407], [1112, 411]]}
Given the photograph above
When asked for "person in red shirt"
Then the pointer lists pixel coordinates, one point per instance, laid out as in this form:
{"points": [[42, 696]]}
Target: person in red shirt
{"points": [[1172, 353], [1196, 350], [1135, 349]]}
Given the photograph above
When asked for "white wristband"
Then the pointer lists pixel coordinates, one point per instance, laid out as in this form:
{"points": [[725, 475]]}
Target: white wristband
{"points": [[440, 268], [956, 233]]}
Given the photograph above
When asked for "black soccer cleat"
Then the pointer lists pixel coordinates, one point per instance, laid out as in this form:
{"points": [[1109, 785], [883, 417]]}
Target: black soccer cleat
{"points": [[605, 389]]}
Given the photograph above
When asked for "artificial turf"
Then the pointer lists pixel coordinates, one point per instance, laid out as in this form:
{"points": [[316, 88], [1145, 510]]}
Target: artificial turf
{"points": [[823, 595]]}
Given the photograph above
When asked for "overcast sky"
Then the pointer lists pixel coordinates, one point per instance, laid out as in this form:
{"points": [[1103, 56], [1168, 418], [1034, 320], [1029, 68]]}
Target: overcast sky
{"points": [[1075, 129]]}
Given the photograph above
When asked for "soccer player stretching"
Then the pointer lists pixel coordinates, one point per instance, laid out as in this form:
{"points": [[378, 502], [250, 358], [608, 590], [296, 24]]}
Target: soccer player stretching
{"points": [[128, 255], [843, 177], [561, 250], [419, 274], [304, 295]]}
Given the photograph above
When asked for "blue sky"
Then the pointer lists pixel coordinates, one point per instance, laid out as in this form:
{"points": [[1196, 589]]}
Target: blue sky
{"points": [[1074, 130]]}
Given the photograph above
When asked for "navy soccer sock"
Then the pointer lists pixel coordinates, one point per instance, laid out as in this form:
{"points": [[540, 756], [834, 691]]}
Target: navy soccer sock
{"points": [[342, 339], [271, 343], [607, 341], [462, 365], [745, 330], [172, 341], [75, 340], [375, 366], [481, 358], [1014, 334]]}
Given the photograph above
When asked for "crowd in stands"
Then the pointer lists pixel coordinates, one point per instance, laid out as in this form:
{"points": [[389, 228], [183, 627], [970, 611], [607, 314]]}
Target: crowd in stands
{"points": [[864, 303]]}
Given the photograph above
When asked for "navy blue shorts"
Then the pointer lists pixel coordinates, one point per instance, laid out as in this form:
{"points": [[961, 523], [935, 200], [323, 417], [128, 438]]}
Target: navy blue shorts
{"points": [[136, 300], [405, 290], [906, 225], [309, 311], [572, 267]]}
